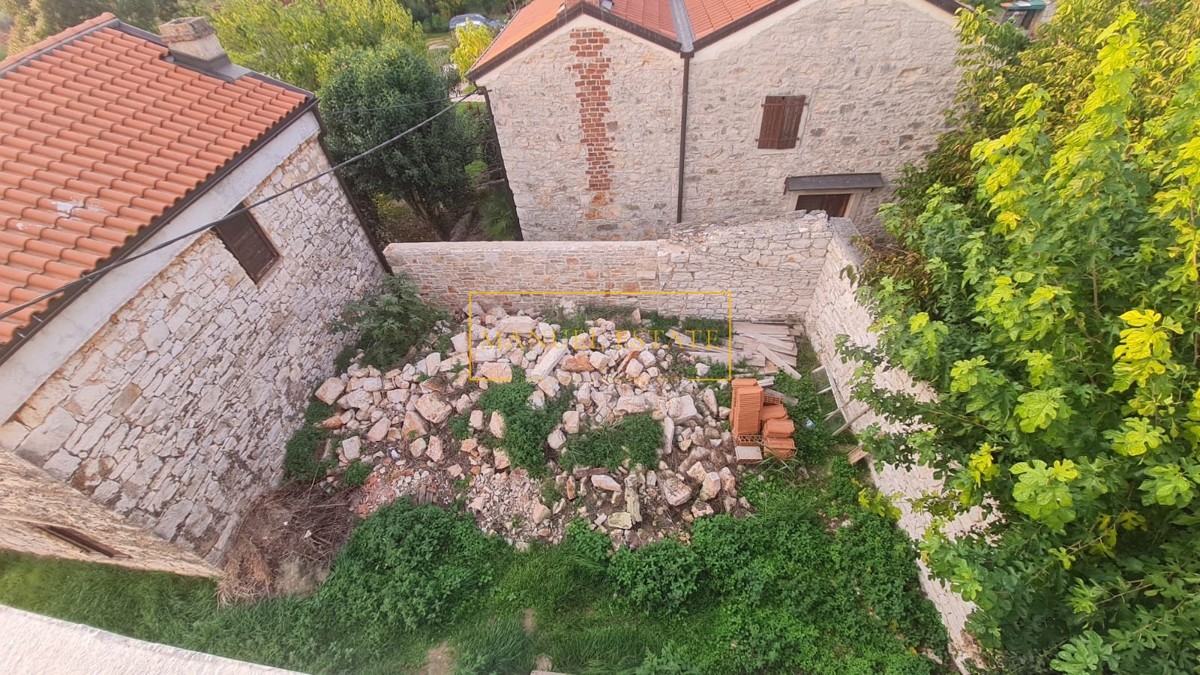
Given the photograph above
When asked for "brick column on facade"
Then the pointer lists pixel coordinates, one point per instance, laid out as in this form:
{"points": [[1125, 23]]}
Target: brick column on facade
{"points": [[591, 69]]}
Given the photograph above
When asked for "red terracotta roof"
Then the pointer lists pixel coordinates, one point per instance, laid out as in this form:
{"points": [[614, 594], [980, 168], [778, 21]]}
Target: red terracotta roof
{"points": [[708, 16], [650, 19], [651, 15], [99, 136]]}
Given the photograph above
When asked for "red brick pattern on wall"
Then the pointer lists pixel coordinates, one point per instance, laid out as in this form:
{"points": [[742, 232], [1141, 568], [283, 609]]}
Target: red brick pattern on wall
{"points": [[591, 69]]}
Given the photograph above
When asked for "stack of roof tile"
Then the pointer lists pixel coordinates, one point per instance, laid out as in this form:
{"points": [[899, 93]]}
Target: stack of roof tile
{"points": [[747, 404]]}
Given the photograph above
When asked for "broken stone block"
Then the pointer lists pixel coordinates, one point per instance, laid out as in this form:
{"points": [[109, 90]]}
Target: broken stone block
{"points": [[496, 424], [330, 390], [352, 448], [606, 482], [674, 490]]}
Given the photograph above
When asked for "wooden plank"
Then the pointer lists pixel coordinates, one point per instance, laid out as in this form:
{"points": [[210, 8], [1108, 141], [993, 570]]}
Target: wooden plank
{"points": [[765, 328], [778, 361], [778, 344]]}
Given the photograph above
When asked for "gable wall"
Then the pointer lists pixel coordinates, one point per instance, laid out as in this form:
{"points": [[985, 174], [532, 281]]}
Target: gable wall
{"points": [[877, 74], [174, 414], [588, 122]]}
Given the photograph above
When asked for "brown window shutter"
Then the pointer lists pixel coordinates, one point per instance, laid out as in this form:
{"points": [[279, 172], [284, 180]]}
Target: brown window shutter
{"points": [[781, 122], [248, 243], [772, 123], [793, 110]]}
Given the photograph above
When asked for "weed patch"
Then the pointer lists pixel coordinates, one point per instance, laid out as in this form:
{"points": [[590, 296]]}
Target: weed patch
{"points": [[302, 461], [636, 438], [356, 474], [391, 324], [525, 427]]}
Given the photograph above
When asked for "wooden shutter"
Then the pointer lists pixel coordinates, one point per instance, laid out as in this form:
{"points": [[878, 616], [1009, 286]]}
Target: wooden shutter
{"points": [[772, 123], [248, 243], [781, 122]]}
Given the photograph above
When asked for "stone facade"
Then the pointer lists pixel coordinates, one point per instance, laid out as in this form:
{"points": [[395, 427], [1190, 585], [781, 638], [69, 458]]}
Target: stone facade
{"points": [[768, 268], [173, 416], [877, 76], [589, 128], [589, 117]]}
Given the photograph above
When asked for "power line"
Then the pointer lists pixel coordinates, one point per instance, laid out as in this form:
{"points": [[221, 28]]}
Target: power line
{"points": [[96, 274], [414, 104]]}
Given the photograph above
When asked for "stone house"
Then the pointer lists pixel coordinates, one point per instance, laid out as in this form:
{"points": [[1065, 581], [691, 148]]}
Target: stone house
{"points": [[147, 405], [617, 118]]}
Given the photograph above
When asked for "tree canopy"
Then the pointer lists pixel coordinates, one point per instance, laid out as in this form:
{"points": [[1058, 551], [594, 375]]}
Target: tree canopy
{"points": [[1049, 290], [370, 97], [296, 41], [471, 41], [34, 20]]}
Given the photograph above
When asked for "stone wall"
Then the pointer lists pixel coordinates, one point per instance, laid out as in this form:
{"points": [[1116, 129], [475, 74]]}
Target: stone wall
{"points": [[588, 122], [836, 311], [769, 268], [877, 75], [174, 415]]}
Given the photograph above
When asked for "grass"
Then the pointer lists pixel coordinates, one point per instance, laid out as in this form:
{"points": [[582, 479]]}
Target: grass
{"points": [[636, 438], [782, 591]]}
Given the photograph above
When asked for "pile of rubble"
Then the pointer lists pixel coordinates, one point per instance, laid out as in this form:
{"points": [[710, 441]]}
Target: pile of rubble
{"points": [[401, 422]]}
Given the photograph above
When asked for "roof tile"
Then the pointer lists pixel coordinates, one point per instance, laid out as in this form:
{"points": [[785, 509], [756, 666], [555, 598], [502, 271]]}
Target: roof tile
{"points": [[99, 136]]}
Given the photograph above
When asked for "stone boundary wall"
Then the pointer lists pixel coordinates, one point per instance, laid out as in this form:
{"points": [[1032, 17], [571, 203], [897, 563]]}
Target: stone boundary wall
{"points": [[769, 268], [835, 311], [172, 418]]}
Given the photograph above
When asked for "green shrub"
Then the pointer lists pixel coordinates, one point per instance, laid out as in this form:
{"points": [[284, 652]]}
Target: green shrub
{"points": [[391, 323], [356, 474], [409, 567], [525, 428], [636, 437], [498, 216], [657, 578]]}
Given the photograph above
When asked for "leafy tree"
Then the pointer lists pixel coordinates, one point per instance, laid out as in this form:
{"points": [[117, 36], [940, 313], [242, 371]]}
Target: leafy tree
{"points": [[472, 40], [34, 20], [296, 41], [372, 96], [1054, 305]]}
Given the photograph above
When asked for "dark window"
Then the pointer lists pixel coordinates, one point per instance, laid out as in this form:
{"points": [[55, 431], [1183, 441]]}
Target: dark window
{"points": [[248, 243], [834, 205], [780, 122], [80, 540]]}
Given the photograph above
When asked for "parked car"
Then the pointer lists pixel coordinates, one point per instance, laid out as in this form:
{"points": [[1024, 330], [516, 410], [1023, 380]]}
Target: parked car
{"points": [[478, 19]]}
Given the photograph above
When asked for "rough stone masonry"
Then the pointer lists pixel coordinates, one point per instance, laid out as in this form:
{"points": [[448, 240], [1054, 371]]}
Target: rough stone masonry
{"points": [[762, 269], [174, 415]]}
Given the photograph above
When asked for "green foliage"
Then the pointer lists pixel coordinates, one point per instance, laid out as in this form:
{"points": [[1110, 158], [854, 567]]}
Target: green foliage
{"points": [[660, 577], [783, 591], [302, 460], [420, 565], [296, 41], [374, 95], [525, 427], [33, 20], [390, 324], [1051, 296], [471, 41], [498, 216], [637, 438], [460, 426], [356, 474]]}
